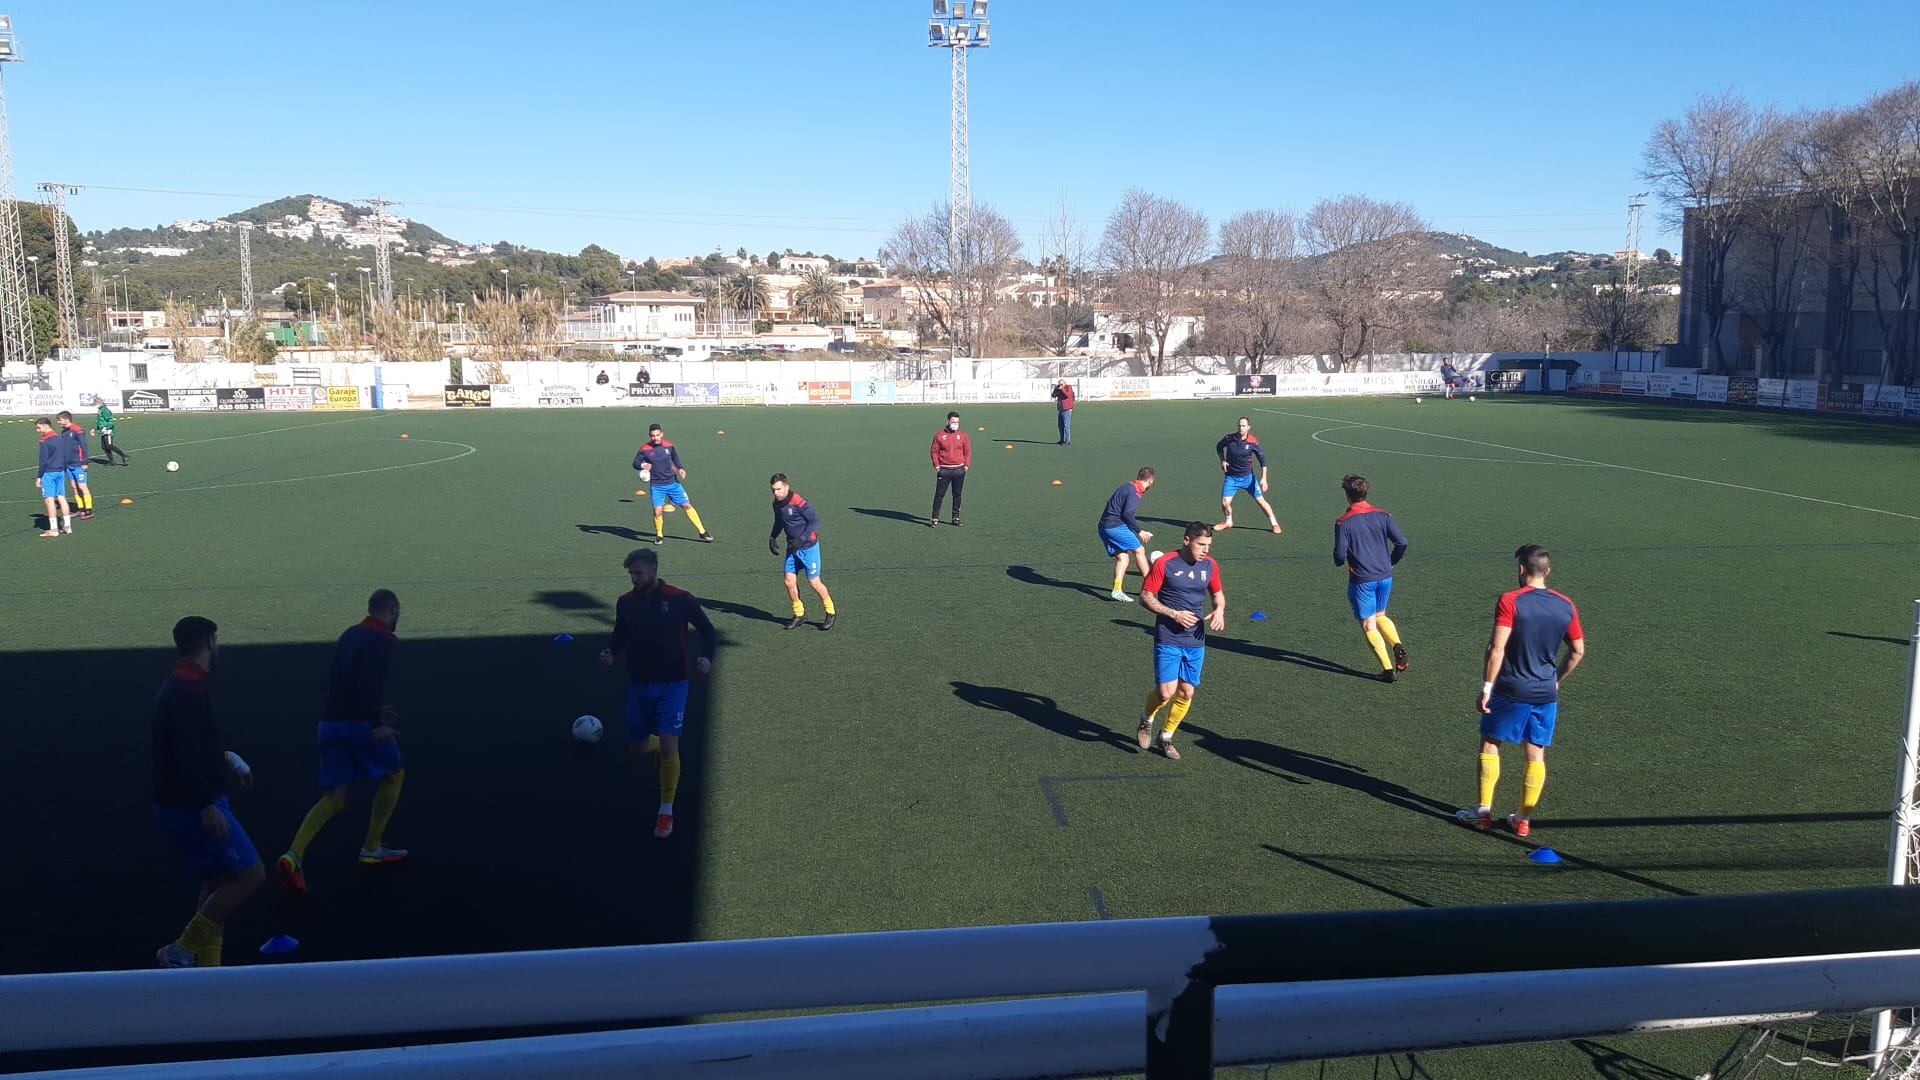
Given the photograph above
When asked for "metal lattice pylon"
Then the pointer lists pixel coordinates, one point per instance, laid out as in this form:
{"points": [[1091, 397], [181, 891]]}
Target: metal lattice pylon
{"points": [[16, 318], [63, 261], [246, 266], [382, 257]]}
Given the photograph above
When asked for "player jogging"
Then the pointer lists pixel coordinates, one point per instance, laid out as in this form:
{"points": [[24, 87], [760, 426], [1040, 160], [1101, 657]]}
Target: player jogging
{"points": [[650, 624], [1176, 591], [190, 801], [103, 426], [1238, 451], [1118, 529], [1368, 543], [952, 454], [80, 495], [659, 464], [797, 518], [357, 740], [55, 453], [1520, 699]]}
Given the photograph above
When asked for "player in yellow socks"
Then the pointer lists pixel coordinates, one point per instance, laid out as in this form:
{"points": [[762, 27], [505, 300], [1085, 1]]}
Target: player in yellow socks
{"points": [[650, 625], [81, 495], [1520, 699], [659, 463], [357, 741], [1176, 591], [190, 774], [797, 518], [1368, 543]]}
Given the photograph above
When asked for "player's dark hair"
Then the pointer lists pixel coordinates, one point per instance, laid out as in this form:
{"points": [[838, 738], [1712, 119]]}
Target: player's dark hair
{"points": [[645, 555], [1536, 559], [44, 421], [382, 600], [953, 416], [63, 415], [1356, 487], [777, 478], [1247, 419], [1197, 529], [192, 634], [1145, 473], [651, 428]]}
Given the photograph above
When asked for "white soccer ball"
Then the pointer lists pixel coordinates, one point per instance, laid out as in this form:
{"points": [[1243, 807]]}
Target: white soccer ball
{"points": [[1416, 401], [1154, 557], [173, 466], [238, 765], [1470, 397], [588, 729], [646, 471]]}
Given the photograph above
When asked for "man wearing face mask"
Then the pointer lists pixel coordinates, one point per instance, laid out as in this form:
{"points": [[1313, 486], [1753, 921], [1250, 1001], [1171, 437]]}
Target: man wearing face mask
{"points": [[952, 455]]}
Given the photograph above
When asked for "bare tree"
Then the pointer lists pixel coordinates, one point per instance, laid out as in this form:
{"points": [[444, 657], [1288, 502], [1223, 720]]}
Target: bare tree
{"points": [[186, 350], [1251, 308], [1520, 325], [1775, 225], [1823, 154], [1888, 168], [1609, 317], [1706, 166], [1154, 247], [1368, 271], [960, 296]]}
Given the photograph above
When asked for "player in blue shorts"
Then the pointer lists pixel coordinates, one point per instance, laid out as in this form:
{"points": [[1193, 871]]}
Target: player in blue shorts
{"points": [[1520, 699], [79, 494], [1239, 450], [1176, 591], [1368, 543], [189, 797], [357, 740], [797, 518], [650, 625], [659, 465], [55, 453], [1122, 535], [1450, 377]]}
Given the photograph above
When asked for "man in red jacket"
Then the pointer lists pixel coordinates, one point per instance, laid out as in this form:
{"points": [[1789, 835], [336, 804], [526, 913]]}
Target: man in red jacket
{"points": [[952, 454], [1063, 397]]}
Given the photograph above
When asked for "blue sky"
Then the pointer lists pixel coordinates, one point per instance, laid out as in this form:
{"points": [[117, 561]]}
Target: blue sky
{"points": [[668, 129]]}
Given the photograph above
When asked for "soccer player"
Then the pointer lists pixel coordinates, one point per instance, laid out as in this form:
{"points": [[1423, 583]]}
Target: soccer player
{"points": [[1063, 397], [952, 454], [190, 801], [1238, 451], [1176, 592], [797, 518], [82, 495], [357, 740], [1520, 699], [1368, 543], [650, 623], [103, 426], [1450, 376], [662, 463], [1118, 529], [55, 454]]}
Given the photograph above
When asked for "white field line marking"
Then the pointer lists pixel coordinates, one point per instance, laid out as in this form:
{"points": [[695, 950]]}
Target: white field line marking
{"points": [[1605, 464], [291, 479], [224, 438], [1453, 457]]}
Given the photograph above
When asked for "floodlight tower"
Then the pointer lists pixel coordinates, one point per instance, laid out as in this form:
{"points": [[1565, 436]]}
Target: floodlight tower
{"points": [[382, 258], [63, 261], [246, 266], [16, 319], [1634, 205], [959, 25]]}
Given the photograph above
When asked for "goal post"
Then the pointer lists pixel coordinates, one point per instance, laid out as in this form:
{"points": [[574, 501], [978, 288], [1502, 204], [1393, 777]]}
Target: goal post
{"points": [[1903, 855]]}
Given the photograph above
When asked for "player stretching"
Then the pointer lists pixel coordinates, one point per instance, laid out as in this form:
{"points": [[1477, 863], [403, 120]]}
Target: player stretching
{"points": [[1176, 591], [77, 472], [650, 623], [1117, 529], [1238, 450], [1520, 699], [357, 740], [190, 801], [661, 462], [103, 426], [55, 454], [1368, 543], [797, 518]]}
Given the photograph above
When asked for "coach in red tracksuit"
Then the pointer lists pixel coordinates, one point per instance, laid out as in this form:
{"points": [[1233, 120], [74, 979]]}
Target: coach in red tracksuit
{"points": [[952, 455]]}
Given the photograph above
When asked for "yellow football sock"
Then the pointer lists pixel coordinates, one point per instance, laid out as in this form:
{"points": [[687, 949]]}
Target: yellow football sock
{"points": [[669, 777], [1387, 629], [659, 524], [826, 604], [1177, 714], [1120, 581], [194, 937], [694, 517], [1154, 704], [211, 949], [316, 819], [1531, 787], [651, 746], [385, 798], [1380, 649], [799, 609], [1489, 777]]}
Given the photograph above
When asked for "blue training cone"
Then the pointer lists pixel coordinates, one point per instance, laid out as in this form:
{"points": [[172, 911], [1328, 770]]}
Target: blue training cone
{"points": [[1258, 616], [279, 944], [1545, 856], [563, 637]]}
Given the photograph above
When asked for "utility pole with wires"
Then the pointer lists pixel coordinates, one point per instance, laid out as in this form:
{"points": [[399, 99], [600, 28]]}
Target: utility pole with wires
{"points": [[959, 25], [382, 258], [1634, 205], [63, 261], [16, 316], [246, 266]]}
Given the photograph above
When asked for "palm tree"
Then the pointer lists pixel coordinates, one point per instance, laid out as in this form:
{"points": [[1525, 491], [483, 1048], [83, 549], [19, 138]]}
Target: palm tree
{"points": [[745, 292], [818, 297]]}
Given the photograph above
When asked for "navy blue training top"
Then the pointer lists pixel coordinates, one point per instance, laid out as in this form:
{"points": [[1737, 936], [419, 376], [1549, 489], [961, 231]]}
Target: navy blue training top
{"points": [[1121, 506], [1182, 585], [1367, 542], [1541, 619]]}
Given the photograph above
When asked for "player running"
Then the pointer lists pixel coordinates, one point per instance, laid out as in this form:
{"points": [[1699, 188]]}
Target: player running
{"points": [[1238, 451], [1520, 699], [1368, 543], [357, 740], [659, 464], [1118, 529], [82, 495], [650, 624], [1176, 591], [103, 426], [55, 454], [798, 519], [190, 800]]}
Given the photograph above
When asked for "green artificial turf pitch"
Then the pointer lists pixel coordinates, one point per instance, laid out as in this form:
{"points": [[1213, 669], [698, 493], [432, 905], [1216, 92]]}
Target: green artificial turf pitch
{"points": [[959, 750]]}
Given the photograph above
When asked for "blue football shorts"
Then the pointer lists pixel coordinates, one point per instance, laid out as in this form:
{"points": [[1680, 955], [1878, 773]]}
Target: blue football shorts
{"points": [[806, 562], [1178, 663], [349, 752], [662, 494], [1520, 721], [658, 708], [1249, 483], [1369, 598], [1119, 540], [200, 851], [53, 485]]}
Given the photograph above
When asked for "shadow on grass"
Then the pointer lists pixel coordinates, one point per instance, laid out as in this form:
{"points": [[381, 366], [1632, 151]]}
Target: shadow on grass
{"points": [[1268, 652], [1869, 637], [1029, 442], [1303, 767], [1857, 430], [891, 515], [742, 611], [1042, 712], [1027, 575]]}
